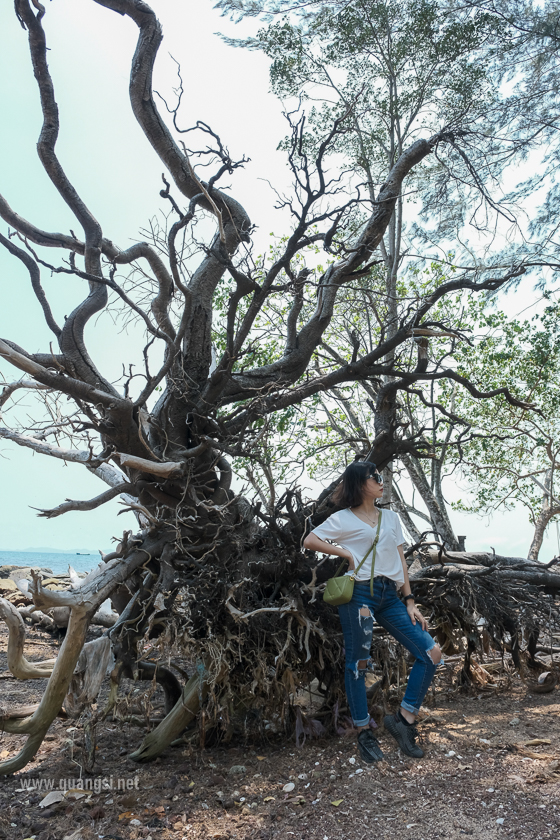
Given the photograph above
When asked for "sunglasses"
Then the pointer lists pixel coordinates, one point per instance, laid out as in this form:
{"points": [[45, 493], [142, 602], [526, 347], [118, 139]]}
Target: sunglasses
{"points": [[376, 477]]}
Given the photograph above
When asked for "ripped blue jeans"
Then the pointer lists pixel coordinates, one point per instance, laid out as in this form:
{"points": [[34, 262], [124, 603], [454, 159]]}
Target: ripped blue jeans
{"points": [[389, 611]]}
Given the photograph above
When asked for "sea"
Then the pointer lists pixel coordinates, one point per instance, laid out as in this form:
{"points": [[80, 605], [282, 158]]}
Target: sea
{"points": [[56, 562]]}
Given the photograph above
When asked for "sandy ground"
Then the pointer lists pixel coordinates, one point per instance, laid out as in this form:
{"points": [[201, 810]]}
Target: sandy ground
{"points": [[481, 777]]}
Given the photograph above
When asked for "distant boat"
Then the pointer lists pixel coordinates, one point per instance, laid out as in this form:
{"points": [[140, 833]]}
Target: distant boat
{"points": [[84, 553]]}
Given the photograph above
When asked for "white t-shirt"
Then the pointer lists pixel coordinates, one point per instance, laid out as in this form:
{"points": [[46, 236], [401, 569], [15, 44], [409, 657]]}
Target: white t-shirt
{"points": [[348, 531]]}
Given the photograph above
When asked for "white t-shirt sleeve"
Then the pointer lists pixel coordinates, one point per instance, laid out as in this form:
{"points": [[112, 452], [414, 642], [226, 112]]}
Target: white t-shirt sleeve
{"points": [[398, 530], [330, 529]]}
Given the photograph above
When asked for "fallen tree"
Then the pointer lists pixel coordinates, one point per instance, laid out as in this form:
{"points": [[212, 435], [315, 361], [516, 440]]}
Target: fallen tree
{"points": [[209, 573], [503, 603]]}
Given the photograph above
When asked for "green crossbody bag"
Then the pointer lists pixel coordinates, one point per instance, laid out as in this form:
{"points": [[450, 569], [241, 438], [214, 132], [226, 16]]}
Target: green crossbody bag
{"points": [[340, 588]]}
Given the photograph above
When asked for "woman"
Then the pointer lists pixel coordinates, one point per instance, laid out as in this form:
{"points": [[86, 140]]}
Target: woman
{"points": [[353, 530]]}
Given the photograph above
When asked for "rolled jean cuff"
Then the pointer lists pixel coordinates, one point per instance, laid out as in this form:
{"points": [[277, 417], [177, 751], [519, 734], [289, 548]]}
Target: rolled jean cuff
{"points": [[361, 722], [409, 708]]}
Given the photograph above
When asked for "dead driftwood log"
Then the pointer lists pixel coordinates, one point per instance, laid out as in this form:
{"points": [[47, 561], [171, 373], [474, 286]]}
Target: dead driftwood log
{"points": [[17, 663], [483, 601], [83, 601], [17, 591]]}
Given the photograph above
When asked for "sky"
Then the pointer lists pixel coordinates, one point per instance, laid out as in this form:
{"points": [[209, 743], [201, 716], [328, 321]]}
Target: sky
{"points": [[106, 156]]}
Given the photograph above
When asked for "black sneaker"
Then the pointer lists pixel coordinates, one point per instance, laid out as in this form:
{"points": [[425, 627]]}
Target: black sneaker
{"points": [[404, 735], [369, 746]]}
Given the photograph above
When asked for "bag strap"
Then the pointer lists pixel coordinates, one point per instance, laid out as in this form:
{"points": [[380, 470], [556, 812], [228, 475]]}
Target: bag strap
{"points": [[373, 547]]}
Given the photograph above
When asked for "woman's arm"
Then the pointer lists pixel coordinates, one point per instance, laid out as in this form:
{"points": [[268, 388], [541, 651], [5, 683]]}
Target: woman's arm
{"points": [[411, 607], [315, 543]]}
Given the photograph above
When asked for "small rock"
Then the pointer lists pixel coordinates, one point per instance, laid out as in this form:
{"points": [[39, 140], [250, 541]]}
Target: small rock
{"points": [[21, 572], [351, 760], [227, 803], [183, 769], [236, 769], [289, 787], [500, 820], [135, 822], [514, 722], [153, 822]]}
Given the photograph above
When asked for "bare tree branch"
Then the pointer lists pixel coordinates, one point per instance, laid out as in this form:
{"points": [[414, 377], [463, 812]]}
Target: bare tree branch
{"points": [[91, 504], [35, 282]]}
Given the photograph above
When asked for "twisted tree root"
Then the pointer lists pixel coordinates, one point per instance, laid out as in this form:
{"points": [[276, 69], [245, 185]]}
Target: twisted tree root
{"points": [[38, 724], [19, 666], [184, 712], [84, 601]]}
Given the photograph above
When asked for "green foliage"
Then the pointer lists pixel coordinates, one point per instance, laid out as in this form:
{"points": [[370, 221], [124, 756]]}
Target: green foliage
{"points": [[405, 67], [511, 445]]}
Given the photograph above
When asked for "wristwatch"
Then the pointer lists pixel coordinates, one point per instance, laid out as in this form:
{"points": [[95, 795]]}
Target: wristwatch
{"points": [[408, 598]]}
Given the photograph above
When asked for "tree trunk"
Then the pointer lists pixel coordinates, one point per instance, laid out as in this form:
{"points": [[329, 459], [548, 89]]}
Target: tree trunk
{"points": [[550, 508], [438, 514]]}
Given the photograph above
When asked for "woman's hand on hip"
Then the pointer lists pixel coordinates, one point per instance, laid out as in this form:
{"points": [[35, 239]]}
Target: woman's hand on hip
{"points": [[416, 615], [350, 557]]}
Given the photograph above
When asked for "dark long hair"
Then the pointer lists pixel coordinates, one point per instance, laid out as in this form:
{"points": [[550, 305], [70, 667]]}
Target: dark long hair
{"points": [[350, 491]]}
